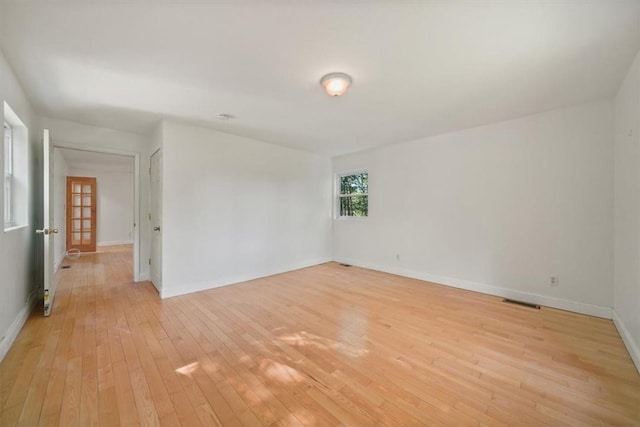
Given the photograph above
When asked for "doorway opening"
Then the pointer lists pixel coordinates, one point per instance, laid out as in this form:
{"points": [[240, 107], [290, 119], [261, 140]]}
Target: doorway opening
{"points": [[103, 214]]}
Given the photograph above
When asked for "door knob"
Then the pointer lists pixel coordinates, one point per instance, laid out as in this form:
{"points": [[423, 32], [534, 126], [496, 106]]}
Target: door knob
{"points": [[156, 228], [46, 231]]}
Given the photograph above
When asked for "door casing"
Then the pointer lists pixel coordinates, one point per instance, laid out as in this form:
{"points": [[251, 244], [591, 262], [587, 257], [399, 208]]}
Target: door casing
{"points": [[136, 194]]}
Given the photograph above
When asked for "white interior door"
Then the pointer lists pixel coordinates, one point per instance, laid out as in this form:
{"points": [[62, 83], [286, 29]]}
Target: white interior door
{"points": [[156, 220], [48, 231]]}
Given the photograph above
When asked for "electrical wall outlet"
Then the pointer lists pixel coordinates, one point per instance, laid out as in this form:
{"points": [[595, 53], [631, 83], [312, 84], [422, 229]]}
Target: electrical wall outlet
{"points": [[398, 257], [553, 281]]}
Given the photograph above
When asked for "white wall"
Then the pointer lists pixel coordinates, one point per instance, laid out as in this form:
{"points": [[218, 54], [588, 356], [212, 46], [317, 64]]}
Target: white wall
{"points": [[498, 208], [627, 211], [60, 172], [114, 204], [65, 133], [235, 209], [19, 276]]}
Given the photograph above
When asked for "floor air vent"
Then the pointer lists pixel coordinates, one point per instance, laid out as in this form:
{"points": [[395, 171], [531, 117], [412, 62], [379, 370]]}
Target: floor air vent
{"points": [[66, 266], [345, 265], [522, 303]]}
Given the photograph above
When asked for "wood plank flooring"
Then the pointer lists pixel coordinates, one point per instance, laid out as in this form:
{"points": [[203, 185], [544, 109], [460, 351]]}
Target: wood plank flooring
{"points": [[323, 346]]}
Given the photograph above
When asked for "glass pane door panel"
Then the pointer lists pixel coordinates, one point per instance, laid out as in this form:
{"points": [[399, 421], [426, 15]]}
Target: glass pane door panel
{"points": [[81, 221]]}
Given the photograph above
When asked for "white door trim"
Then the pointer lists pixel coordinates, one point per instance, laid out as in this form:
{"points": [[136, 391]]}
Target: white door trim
{"points": [[136, 194]]}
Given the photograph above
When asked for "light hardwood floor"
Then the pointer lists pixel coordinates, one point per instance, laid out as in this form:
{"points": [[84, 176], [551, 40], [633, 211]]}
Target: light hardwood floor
{"points": [[323, 346]]}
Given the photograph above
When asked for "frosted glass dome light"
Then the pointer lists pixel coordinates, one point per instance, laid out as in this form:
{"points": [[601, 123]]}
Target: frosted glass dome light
{"points": [[336, 84]]}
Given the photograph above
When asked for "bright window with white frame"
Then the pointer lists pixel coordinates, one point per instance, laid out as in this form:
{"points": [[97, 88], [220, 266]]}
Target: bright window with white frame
{"points": [[353, 194], [8, 176], [16, 171]]}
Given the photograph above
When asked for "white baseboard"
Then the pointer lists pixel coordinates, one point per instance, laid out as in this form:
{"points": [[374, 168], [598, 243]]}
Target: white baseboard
{"points": [[632, 347], [58, 264], [115, 243], [563, 304], [202, 286], [17, 325]]}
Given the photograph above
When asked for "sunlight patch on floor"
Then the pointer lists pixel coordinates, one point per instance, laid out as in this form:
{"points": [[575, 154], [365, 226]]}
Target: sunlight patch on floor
{"points": [[188, 370], [304, 338], [279, 372]]}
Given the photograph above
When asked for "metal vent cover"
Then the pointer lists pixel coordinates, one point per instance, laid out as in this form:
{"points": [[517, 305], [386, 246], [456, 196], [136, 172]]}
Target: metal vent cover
{"points": [[522, 303]]}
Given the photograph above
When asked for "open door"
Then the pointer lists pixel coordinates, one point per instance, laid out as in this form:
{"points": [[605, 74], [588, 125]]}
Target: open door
{"points": [[155, 216], [47, 230]]}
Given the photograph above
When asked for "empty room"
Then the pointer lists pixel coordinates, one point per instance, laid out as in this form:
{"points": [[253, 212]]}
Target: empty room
{"points": [[320, 213]]}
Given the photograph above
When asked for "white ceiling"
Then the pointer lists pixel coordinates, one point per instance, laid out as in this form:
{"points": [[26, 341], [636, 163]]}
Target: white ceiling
{"points": [[78, 159], [418, 68]]}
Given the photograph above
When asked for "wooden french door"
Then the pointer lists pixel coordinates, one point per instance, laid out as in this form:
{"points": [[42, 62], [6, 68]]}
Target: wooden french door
{"points": [[81, 213]]}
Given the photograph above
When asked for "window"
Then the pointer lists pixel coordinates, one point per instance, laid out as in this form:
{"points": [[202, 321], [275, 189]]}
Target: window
{"points": [[353, 199], [16, 170], [8, 176]]}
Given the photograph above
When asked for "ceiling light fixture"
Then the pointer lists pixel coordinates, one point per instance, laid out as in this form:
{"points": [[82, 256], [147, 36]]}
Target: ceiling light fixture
{"points": [[335, 84], [224, 116]]}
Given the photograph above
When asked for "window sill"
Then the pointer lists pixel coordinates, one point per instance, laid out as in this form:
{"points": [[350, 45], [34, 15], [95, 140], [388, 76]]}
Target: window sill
{"points": [[351, 218], [15, 227]]}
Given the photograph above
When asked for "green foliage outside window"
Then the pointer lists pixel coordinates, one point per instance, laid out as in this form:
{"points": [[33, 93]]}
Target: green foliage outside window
{"points": [[354, 195]]}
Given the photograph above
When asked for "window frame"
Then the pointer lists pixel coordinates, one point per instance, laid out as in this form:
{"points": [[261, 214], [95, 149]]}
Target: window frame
{"points": [[8, 168], [17, 204], [339, 196]]}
